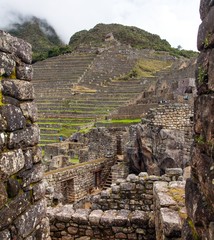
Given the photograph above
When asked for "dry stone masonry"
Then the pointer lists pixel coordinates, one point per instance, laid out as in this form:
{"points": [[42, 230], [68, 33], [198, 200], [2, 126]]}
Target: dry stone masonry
{"points": [[200, 187], [22, 204]]}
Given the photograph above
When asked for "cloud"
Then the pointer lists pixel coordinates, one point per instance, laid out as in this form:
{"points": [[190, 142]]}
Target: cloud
{"points": [[176, 21]]}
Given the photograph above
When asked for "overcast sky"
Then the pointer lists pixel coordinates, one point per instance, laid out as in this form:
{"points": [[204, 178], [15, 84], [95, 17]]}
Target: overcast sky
{"points": [[176, 21]]}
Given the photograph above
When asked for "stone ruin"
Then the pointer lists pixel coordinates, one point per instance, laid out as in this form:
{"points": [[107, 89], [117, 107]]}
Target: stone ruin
{"points": [[142, 206], [22, 203]]}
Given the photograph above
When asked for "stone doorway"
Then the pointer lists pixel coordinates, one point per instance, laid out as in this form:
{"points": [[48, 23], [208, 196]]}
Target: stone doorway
{"points": [[97, 178], [68, 191]]}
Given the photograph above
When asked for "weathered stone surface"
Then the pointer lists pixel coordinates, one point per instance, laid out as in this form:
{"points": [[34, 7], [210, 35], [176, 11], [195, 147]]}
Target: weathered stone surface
{"points": [[122, 218], [24, 72], [3, 195], [204, 8], [32, 176], [7, 64], [12, 117], [108, 217], [139, 218], [81, 216], [29, 110], [18, 89], [13, 209], [11, 101], [5, 235], [11, 162], [39, 191], [65, 213], [171, 222], [210, 71], [13, 187], [206, 32], [24, 138], [15, 45], [95, 216], [30, 219]]}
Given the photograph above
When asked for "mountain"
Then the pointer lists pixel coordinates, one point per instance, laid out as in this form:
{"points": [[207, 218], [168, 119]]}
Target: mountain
{"points": [[133, 36], [43, 38]]}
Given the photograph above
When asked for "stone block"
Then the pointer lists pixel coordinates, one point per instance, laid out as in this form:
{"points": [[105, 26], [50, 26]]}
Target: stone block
{"points": [[29, 110], [81, 216], [7, 64], [18, 89], [24, 138], [5, 235], [32, 176], [171, 223], [19, 47], [13, 118], [95, 216], [127, 186], [13, 187], [122, 218], [39, 191], [24, 72], [139, 218], [26, 223], [11, 162], [13, 209], [108, 218]]}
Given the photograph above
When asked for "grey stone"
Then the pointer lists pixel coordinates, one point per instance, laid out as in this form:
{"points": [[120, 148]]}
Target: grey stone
{"points": [[5, 235], [18, 89], [24, 138], [30, 219], [95, 216], [24, 72], [108, 218], [171, 222], [33, 175], [174, 171], [29, 110], [3, 195], [11, 162], [10, 44], [81, 216], [122, 218], [13, 187], [13, 117], [2, 140], [39, 191], [139, 218], [65, 213], [13, 209], [127, 186], [7, 64]]}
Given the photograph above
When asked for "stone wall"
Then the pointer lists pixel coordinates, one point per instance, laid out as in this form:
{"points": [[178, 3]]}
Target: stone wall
{"points": [[200, 187], [172, 116], [124, 211], [22, 204], [73, 183]]}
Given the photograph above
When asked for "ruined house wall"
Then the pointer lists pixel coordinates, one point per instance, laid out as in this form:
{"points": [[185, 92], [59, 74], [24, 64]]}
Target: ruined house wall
{"points": [[200, 187], [81, 177], [22, 204]]}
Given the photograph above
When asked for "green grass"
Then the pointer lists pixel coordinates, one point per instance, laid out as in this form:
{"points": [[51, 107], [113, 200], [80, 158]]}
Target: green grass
{"points": [[122, 121]]}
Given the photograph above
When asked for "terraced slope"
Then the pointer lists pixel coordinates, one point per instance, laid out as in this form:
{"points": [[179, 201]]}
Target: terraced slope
{"points": [[77, 89]]}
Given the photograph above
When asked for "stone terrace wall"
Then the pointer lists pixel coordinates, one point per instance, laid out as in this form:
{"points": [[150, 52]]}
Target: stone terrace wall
{"points": [[22, 204], [200, 187]]}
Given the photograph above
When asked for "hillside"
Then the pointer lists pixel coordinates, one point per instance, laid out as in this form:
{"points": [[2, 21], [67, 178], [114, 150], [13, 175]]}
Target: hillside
{"points": [[128, 35], [43, 38]]}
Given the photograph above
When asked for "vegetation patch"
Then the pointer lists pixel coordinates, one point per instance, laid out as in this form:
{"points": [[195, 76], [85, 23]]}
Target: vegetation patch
{"points": [[82, 89], [146, 68]]}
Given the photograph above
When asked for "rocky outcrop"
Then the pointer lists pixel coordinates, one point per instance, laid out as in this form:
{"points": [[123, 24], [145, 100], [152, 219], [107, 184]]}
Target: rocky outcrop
{"points": [[200, 187], [22, 204], [163, 140]]}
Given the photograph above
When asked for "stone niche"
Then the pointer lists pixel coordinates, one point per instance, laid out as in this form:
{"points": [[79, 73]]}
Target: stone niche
{"points": [[22, 204]]}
